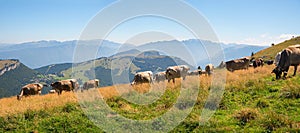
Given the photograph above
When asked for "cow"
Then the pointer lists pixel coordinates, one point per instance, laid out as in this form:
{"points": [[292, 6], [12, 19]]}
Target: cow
{"points": [[209, 69], [30, 89], [143, 77], [160, 76], [66, 85], [270, 62], [258, 62], [238, 64], [176, 72], [289, 57], [90, 84]]}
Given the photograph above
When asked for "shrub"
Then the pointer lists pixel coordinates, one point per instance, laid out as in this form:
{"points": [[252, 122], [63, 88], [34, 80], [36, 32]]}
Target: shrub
{"points": [[245, 115], [272, 121], [262, 103]]}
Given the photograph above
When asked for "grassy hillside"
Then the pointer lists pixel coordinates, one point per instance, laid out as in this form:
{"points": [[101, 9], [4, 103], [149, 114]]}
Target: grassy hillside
{"points": [[270, 53], [252, 102], [11, 81]]}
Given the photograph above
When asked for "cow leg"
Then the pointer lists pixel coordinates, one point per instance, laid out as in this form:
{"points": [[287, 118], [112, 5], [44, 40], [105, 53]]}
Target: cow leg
{"points": [[295, 70], [174, 80], [168, 80]]}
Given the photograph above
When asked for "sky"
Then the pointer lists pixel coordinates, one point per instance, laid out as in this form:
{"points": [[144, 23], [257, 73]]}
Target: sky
{"points": [[256, 22]]}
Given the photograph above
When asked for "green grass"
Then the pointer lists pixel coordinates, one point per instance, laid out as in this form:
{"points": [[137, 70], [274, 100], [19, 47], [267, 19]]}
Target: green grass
{"points": [[259, 105]]}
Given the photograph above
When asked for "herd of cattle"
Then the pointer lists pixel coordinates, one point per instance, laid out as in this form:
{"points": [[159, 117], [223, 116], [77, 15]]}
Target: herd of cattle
{"points": [[288, 57]]}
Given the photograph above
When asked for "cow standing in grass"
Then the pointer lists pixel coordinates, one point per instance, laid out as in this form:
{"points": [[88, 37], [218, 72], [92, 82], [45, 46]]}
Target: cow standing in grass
{"points": [[209, 69], [176, 72], [143, 77], [65, 85], [160, 76], [90, 84], [238, 64], [30, 89]]}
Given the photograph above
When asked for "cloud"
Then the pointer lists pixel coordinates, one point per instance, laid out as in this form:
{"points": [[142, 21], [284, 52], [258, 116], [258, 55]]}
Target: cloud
{"points": [[266, 39]]}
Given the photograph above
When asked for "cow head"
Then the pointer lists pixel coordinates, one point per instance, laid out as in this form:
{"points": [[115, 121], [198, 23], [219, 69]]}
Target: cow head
{"points": [[278, 72], [19, 97]]}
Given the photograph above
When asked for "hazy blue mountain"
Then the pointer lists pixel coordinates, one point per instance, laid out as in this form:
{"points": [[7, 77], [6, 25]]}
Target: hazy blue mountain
{"points": [[195, 52], [200, 52], [42, 53]]}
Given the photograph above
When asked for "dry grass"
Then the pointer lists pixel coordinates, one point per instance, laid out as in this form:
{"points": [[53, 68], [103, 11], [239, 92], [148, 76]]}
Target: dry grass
{"points": [[13, 106], [238, 78]]}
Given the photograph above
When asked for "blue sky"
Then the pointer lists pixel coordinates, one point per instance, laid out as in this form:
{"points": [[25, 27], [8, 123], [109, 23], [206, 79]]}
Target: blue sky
{"points": [[257, 22]]}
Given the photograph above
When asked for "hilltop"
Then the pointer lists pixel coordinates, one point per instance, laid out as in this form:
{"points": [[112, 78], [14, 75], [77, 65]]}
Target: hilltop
{"points": [[270, 52]]}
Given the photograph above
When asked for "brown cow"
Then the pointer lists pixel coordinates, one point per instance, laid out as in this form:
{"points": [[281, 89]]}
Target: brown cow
{"points": [[238, 64], [30, 89], [258, 62], [160, 76], [143, 77], [289, 57], [90, 84], [66, 85], [176, 72], [209, 69]]}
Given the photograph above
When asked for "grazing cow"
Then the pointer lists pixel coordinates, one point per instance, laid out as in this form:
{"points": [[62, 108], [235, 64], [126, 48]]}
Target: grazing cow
{"points": [[238, 64], [289, 57], [176, 72], [209, 69], [30, 89], [143, 77], [270, 62], [160, 76], [66, 85], [258, 62], [90, 84]]}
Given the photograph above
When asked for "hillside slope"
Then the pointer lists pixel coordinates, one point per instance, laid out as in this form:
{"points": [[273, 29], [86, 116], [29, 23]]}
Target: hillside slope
{"points": [[252, 102], [14, 75], [270, 52]]}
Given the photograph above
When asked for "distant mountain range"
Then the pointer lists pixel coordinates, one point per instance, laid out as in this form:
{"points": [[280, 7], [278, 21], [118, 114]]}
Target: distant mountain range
{"points": [[117, 69], [43, 53]]}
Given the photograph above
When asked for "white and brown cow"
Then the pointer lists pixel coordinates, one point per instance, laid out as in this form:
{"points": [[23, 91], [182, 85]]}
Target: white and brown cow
{"points": [[91, 84], [289, 57], [209, 69], [238, 64], [30, 89], [143, 77], [65, 85], [177, 72]]}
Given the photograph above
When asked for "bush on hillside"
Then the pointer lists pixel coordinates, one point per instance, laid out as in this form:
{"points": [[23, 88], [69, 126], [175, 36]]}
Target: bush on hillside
{"points": [[245, 115]]}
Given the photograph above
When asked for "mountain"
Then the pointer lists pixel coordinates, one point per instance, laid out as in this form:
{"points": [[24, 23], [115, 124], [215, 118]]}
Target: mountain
{"points": [[193, 51], [270, 52], [200, 52], [13, 75], [117, 69], [42, 53]]}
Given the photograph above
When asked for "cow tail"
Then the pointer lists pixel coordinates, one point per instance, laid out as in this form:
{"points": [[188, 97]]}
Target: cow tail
{"points": [[72, 84]]}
